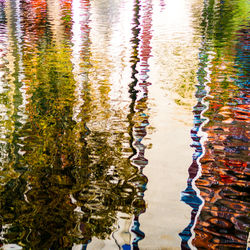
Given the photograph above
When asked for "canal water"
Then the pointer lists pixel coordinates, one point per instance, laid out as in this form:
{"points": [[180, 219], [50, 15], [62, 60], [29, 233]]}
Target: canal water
{"points": [[124, 124]]}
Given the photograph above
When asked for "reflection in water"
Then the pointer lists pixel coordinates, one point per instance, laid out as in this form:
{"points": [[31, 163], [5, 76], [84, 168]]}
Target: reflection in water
{"points": [[139, 95], [74, 112], [223, 220], [64, 177], [190, 195]]}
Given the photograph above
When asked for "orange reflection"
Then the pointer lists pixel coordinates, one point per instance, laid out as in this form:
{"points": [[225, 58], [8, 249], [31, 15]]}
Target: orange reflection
{"points": [[223, 221]]}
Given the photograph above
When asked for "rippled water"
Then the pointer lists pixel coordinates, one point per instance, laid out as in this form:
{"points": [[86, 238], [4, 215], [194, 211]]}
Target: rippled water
{"points": [[124, 124]]}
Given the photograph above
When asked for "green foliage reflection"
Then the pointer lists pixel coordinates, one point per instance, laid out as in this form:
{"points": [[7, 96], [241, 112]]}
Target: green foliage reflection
{"points": [[69, 181]]}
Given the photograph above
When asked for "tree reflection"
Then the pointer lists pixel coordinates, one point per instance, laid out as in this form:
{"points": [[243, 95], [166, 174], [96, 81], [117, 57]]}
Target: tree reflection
{"points": [[70, 180]]}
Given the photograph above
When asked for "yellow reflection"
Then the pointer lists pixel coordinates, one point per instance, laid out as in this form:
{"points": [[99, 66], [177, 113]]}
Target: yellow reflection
{"points": [[175, 59], [110, 54]]}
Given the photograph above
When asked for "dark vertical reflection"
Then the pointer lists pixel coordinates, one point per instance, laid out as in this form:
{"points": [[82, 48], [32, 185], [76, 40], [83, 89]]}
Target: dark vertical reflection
{"points": [[223, 219], [139, 94], [139, 235]]}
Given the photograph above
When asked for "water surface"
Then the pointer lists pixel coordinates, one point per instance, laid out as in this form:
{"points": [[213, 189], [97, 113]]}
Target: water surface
{"points": [[124, 124]]}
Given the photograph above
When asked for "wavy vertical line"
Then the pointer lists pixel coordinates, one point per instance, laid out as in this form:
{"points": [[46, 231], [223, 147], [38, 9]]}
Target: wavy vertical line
{"points": [[191, 195], [138, 90]]}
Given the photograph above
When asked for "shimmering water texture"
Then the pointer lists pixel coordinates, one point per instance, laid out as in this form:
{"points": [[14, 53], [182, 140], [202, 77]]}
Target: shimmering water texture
{"points": [[97, 100]]}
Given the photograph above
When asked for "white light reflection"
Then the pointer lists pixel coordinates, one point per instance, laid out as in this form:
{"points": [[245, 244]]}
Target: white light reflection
{"points": [[19, 34], [120, 52], [123, 234], [7, 86], [54, 12], [111, 49], [80, 36]]}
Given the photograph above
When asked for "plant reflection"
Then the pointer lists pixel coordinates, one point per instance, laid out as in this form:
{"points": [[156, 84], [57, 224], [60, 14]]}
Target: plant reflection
{"points": [[64, 179]]}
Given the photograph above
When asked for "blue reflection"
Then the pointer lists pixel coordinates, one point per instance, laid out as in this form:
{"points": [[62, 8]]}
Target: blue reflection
{"points": [[190, 195]]}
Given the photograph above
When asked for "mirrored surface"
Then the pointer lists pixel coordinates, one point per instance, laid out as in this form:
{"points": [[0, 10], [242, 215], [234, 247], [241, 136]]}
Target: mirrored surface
{"points": [[124, 124]]}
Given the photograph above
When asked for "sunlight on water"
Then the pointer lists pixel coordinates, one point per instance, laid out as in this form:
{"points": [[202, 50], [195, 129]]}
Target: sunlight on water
{"points": [[124, 124]]}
